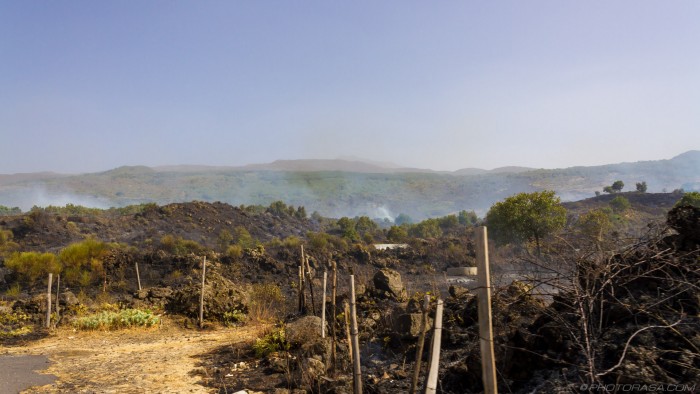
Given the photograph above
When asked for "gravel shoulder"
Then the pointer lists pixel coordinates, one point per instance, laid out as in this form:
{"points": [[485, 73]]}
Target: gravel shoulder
{"points": [[162, 360]]}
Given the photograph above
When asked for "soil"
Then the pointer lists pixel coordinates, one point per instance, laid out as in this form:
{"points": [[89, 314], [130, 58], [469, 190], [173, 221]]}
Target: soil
{"points": [[160, 360]]}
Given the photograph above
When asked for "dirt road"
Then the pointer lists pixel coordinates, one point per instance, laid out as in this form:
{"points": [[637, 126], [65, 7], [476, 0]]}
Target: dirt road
{"points": [[130, 361]]}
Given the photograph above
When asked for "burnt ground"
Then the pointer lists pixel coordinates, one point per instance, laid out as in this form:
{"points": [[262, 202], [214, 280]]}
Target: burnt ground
{"points": [[538, 343], [198, 221]]}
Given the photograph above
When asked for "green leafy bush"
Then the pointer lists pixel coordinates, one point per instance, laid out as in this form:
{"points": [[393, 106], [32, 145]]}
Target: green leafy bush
{"points": [[110, 320], [273, 342], [14, 324], [690, 198], [233, 317], [33, 266]]}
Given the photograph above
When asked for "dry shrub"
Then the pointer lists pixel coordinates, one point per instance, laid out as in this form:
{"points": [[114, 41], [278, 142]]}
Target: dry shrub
{"points": [[266, 303]]}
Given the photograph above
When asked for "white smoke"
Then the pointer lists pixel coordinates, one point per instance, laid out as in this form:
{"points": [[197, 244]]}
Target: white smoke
{"points": [[39, 196]]}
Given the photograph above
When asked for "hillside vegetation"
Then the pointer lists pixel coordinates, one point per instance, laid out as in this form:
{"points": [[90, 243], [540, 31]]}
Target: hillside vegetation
{"points": [[337, 188]]}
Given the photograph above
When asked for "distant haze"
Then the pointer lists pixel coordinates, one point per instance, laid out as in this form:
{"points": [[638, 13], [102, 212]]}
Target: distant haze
{"points": [[338, 188], [88, 86]]}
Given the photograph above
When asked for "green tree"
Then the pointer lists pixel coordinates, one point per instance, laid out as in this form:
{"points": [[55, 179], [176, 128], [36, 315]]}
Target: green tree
{"points": [[347, 229], [608, 189], [617, 186], [467, 218], [279, 208], [595, 223], [448, 222], [690, 198], [300, 213], [4, 211], [429, 228], [619, 204], [242, 238], [365, 225], [526, 217], [641, 187], [224, 240], [397, 234]]}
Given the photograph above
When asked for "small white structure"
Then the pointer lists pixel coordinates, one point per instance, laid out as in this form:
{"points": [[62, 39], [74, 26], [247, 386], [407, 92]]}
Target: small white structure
{"points": [[390, 246]]}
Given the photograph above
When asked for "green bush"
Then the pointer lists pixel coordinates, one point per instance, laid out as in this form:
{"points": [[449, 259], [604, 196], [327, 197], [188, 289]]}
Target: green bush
{"points": [[273, 342], [110, 320], [235, 252], [180, 246], [690, 198], [14, 324], [33, 266], [233, 317], [619, 204]]}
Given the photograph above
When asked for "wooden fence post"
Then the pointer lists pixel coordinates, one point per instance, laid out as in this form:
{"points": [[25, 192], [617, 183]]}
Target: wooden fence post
{"points": [[334, 283], [356, 370], [346, 313], [48, 302], [432, 379], [309, 279], [421, 342], [58, 292], [323, 307], [302, 295], [488, 361], [138, 277], [201, 295], [302, 290]]}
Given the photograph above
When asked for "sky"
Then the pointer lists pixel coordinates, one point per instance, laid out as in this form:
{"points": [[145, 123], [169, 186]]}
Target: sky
{"points": [[87, 86]]}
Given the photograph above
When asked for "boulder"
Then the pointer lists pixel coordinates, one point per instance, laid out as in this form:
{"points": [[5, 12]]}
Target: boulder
{"points": [[388, 284], [304, 336], [69, 299], [459, 292], [141, 294], [304, 330], [408, 324], [220, 296], [160, 292], [315, 368]]}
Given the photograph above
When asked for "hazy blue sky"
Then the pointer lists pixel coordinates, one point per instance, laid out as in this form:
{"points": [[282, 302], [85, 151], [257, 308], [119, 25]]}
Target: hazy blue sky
{"points": [[91, 85]]}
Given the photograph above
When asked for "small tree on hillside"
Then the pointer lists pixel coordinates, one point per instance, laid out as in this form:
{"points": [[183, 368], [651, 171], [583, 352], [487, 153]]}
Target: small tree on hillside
{"points": [[397, 234], [641, 187], [617, 186], [619, 204], [526, 216], [467, 218]]}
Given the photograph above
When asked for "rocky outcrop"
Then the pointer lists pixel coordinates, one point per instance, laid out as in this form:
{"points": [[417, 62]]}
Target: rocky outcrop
{"points": [[220, 296], [388, 284]]}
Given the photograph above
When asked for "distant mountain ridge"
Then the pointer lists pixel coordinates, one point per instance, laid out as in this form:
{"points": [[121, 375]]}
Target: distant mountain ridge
{"points": [[340, 187]]}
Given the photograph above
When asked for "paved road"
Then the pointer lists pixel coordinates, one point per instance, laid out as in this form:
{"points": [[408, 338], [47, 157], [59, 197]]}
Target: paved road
{"points": [[18, 373]]}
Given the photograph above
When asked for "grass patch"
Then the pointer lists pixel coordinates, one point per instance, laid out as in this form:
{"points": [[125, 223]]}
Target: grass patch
{"points": [[111, 320]]}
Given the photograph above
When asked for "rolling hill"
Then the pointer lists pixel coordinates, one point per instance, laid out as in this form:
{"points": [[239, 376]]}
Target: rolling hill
{"points": [[340, 187]]}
